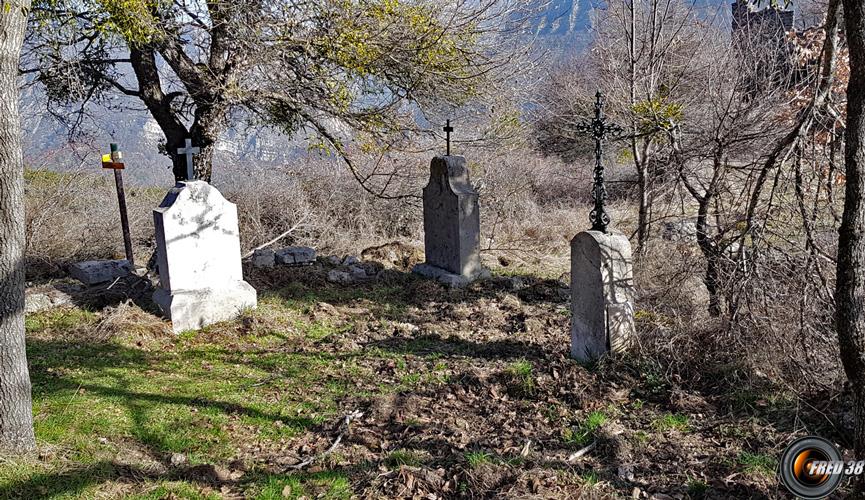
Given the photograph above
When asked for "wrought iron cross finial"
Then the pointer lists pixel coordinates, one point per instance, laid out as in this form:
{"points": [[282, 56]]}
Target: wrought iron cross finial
{"points": [[599, 129], [448, 129]]}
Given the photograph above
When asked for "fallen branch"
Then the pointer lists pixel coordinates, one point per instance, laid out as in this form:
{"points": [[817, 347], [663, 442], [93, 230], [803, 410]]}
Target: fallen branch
{"points": [[345, 424], [577, 454], [271, 242]]}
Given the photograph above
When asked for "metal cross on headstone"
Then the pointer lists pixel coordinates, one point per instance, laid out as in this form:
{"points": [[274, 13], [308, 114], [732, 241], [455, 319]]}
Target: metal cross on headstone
{"points": [[599, 129], [448, 129], [189, 151]]}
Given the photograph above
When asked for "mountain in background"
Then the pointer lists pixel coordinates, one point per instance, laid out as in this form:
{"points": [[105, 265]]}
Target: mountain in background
{"points": [[561, 26]]}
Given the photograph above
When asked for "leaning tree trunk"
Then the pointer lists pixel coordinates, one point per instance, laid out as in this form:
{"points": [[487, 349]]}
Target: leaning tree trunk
{"points": [[16, 417], [850, 285]]}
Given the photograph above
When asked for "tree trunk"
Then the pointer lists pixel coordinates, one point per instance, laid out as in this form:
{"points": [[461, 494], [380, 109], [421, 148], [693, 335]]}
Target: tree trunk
{"points": [[210, 122], [643, 191], [850, 285], [710, 252], [143, 61], [16, 417]]}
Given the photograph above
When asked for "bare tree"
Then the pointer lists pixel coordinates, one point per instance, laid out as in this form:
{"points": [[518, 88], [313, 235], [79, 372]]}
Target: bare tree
{"points": [[641, 56], [850, 312], [16, 419]]}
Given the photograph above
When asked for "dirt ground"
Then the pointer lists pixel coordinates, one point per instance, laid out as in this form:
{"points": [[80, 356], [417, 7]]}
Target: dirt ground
{"points": [[464, 394]]}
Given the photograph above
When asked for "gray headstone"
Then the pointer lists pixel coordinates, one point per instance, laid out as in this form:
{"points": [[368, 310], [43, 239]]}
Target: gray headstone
{"points": [[198, 250], [602, 294], [451, 224], [93, 272]]}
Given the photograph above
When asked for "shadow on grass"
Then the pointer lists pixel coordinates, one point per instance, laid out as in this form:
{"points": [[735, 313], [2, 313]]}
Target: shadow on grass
{"points": [[68, 482], [398, 290], [133, 388], [433, 344]]}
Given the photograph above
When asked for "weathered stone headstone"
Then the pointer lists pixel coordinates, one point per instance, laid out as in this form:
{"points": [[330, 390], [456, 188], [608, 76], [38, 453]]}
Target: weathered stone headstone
{"points": [[602, 294], [451, 224], [93, 272], [198, 253]]}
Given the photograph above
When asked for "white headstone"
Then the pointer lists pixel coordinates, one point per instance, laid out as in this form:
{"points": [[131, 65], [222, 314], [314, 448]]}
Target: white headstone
{"points": [[602, 294], [198, 253]]}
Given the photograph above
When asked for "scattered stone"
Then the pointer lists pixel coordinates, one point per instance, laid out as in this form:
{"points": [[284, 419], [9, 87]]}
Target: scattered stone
{"points": [[341, 277], [295, 256], [42, 300], [358, 272], [178, 459], [450, 279], [263, 258], [350, 260], [404, 328], [334, 260], [602, 294], [451, 222], [626, 472], [198, 250], [93, 272]]}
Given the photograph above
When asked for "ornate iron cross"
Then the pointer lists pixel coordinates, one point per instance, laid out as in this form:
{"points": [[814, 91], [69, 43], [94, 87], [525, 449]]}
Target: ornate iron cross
{"points": [[448, 129], [599, 129]]}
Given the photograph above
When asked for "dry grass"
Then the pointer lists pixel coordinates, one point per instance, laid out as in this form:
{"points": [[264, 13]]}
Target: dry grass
{"points": [[530, 209]]}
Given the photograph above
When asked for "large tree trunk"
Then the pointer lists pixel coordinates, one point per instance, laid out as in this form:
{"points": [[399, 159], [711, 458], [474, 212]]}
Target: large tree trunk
{"points": [[209, 123], [16, 418], [850, 286]]}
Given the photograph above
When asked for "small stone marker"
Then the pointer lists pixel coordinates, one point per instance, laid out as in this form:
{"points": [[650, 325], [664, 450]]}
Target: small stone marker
{"points": [[451, 222], [93, 272], [198, 252], [602, 294], [602, 288]]}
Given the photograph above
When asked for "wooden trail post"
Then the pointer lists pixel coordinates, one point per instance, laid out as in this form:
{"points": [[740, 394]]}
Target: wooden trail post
{"points": [[113, 162]]}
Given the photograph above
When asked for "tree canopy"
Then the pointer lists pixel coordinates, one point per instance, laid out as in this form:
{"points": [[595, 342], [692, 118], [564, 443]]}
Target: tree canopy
{"points": [[344, 70]]}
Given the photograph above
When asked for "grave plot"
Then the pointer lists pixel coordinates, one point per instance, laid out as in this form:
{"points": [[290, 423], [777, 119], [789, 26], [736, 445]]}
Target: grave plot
{"points": [[444, 391]]}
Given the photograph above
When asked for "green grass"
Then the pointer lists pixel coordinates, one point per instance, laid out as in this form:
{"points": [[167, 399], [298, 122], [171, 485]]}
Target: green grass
{"points": [[584, 432], [328, 485], [478, 458], [697, 488], [590, 478], [398, 458], [195, 394], [59, 320], [758, 463], [521, 374], [671, 421]]}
